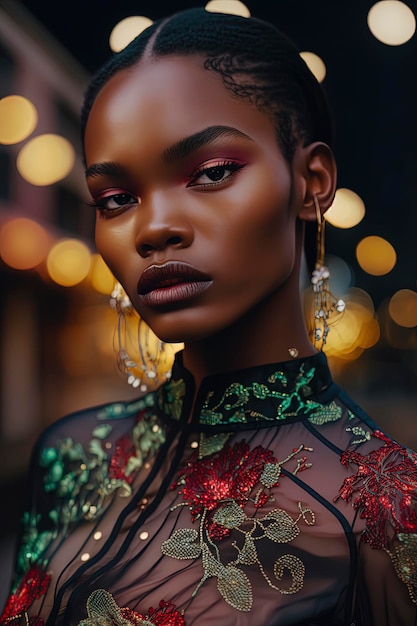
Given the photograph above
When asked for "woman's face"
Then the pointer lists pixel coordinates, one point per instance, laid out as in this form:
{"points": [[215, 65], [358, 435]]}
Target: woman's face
{"points": [[196, 203]]}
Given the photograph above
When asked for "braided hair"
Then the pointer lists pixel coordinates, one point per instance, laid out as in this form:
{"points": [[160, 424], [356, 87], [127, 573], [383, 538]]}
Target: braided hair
{"points": [[256, 62]]}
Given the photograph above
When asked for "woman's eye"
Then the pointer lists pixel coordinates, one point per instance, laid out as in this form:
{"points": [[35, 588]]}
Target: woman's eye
{"points": [[114, 202], [215, 174]]}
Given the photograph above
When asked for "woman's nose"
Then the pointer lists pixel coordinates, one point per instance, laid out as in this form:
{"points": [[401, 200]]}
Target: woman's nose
{"points": [[162, 226]]}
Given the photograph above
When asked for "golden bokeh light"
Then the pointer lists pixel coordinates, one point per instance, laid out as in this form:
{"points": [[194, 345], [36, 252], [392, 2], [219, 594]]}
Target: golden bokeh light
{"points": [[101, 278], [391, 22], [315, 64], [23, 243], [343, 334], [403, 308], [45, 159], [370, 333], [233, 7], [68, 262], [347, 210], [352, 331], [376, 255], [126, 30], [361, 297], [18, 118], [399, 337]]}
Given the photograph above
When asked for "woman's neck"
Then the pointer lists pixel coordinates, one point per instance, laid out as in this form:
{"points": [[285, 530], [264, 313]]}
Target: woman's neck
{"points": [[264, 335]]}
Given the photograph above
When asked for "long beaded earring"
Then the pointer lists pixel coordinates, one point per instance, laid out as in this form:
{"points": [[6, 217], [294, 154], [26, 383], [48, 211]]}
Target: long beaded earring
{"points": [[144, 359], [325, 302]]}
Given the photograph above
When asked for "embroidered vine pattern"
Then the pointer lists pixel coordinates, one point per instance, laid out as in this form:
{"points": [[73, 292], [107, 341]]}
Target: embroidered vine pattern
{"points": [[332, 412], [385, 488], [102, 610], [170, 398], [232, 406], [80, 483], [216, 490]]}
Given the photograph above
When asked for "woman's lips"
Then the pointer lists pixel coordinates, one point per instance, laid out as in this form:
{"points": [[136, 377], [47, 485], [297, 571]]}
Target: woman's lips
{"points": [[171, 282]]}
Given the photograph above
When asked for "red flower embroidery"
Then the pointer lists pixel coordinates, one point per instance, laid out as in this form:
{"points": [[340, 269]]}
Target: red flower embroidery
{"points": [[164, 615], [33, 586], [386, 483], [118, 463], [229, 475]]}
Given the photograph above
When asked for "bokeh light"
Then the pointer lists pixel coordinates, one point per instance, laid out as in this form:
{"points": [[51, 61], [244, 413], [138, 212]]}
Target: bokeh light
{"points": [[396, 336], [101, 278], [126, 30], [376, 255], [68, 262], [45, 159], [391, 22], [233, 7], [347, 210], [23, 243], [343, 334], [315, 64], [402, 308], [18, 118], [341, 277], [354, 330]]}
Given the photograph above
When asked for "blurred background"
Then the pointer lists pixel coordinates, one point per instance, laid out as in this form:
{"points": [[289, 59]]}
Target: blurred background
{"points": [[56, 328]]}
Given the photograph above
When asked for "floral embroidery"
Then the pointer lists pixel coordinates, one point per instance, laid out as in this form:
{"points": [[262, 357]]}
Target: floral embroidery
{"points": [[132, 450], [386, 484], [233, 406], [102, 610], [216, 490], [404, 557], [332, 412], [32, 587], [171, 398], [326, 413], [209, 444], [81, 483]]}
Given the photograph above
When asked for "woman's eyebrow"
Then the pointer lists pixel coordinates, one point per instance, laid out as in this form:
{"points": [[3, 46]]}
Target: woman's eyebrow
{"points": [[108, 168], [179, 150], [184, 147]]}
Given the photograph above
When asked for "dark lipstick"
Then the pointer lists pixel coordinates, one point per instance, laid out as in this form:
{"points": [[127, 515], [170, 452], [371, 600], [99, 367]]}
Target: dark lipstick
{"points": [[171, 282]]}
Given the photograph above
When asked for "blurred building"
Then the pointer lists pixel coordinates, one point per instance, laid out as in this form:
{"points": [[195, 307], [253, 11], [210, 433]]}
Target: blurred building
{"points": [[55, 341]]}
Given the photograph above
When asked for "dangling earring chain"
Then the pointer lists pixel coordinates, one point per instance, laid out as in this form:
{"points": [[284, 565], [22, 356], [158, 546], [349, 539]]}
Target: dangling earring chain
{"points": [[144, 374], [324, 301]]}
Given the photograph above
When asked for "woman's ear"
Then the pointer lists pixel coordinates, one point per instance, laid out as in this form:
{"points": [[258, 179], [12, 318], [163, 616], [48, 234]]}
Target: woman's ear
{"points": [[318, 167]]}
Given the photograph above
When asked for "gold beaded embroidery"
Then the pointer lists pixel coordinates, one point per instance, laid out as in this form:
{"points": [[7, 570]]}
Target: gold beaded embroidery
{"points": [[276, 526], [102, 610], [325, 414], [209, 444], [404, 559]]}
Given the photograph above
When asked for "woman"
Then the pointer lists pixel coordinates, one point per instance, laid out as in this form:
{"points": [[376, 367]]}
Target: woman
{"points": [[247, 489]]}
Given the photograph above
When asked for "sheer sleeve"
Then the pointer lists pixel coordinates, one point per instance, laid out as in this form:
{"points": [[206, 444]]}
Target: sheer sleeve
{"points": [[382, 597], [384, 492], [70, 477], [30, 579]]}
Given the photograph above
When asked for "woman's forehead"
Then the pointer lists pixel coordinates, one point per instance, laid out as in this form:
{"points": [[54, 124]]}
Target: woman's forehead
{"points": [[177, 79], [171, 96]]}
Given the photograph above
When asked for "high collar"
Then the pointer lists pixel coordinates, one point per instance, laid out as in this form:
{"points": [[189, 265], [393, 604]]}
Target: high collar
{"points": [[249, 398]]}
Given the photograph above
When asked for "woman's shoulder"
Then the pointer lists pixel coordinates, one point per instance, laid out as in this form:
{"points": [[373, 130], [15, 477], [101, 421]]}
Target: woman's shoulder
{"points": [[107, 420], [86, 444]]}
